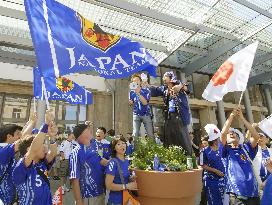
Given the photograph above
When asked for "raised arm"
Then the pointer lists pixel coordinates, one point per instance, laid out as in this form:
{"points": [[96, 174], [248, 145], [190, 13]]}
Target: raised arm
{"points": [[53, 148], [38, 140], [27, 129], [226, 127], [156, 91], [254, 134]]}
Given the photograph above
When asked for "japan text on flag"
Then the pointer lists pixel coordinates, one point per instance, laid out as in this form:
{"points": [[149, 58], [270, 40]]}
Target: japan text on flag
{"points": [[266, 126], [60, 88], [57, 198], [66, 42], [232, 75]]}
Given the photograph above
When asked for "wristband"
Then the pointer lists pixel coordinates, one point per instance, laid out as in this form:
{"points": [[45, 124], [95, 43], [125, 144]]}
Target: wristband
{"points": [[44, 128], [53, 141]]}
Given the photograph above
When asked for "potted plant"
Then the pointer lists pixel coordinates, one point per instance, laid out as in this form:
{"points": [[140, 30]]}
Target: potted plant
{"points": [[173, 183]]}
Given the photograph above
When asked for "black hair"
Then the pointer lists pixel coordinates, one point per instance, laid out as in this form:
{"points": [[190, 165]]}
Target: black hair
{"points": [[211, 143], [103, 129], [111, 132], [78, 129], [8, 129], [205, 138], [130, 139], [25, 144], [113, 144]]}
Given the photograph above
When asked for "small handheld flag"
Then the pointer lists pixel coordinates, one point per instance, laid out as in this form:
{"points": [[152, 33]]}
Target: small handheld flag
{"points": [[57, 198]]}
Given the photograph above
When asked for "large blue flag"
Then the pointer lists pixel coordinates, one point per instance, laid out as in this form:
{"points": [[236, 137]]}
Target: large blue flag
{"points": [[69, 43], [60, 88]]}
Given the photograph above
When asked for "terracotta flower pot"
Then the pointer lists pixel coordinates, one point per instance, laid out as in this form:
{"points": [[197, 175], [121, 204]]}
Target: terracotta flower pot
{"points": [[168, 188]]}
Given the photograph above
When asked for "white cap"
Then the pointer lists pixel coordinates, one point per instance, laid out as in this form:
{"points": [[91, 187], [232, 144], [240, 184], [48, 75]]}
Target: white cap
{"points": [[240, 135], [213, 132]]}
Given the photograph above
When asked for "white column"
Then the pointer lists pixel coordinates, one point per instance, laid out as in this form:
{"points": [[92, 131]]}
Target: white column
{"points": [[247, 104], [268, 99], [221, 114], [41, 108]]}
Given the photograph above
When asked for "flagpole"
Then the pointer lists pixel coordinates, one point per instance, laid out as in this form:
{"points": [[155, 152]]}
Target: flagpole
{"points": [[34, 104], [242, 93], [45, 94]]}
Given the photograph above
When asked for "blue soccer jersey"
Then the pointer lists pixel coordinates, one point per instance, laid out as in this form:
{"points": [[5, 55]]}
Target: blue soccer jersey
{"points": [[7, 164], [240, 176], [31, 186], [116, 197], [264, 173], [130, 149], [213, 159], [267, 193], [138, 107], [103, 149], [85, 166]]}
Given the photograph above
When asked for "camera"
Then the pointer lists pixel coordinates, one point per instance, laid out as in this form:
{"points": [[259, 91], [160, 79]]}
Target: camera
{"points": [[133, 86]]}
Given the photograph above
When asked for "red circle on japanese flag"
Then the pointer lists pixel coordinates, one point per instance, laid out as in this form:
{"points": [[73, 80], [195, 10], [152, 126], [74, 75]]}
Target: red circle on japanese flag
{"points": [[223, 74]]}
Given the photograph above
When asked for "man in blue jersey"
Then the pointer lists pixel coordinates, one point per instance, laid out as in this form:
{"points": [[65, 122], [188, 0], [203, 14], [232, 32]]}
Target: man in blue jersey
{"points": [[10, 136], [9, 142], [31, 171], [212, 162], [139, 97], [241, 184], [86, 169], [176, 111], [100, 144]]}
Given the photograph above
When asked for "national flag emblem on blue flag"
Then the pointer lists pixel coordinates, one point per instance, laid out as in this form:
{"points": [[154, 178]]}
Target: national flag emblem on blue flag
{"points": [[60, 88], [66, 42]]}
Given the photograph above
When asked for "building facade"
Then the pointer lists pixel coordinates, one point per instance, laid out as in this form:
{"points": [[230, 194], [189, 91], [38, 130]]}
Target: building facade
{"points": [[110, 102]]}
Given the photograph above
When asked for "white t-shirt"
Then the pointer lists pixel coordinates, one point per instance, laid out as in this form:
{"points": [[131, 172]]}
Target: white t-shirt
{"points": [[66, 147]]}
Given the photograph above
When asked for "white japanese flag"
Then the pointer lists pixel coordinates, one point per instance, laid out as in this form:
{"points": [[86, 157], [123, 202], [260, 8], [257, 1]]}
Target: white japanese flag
{"points": [[232, 75], [266, 126]]}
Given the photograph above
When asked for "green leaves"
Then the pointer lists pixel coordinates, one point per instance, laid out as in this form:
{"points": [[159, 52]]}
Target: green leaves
{"points": [[173, 157]]}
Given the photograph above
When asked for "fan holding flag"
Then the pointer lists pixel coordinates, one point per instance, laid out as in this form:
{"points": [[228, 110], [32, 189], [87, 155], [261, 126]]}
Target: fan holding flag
{"points": [[242, 185]]}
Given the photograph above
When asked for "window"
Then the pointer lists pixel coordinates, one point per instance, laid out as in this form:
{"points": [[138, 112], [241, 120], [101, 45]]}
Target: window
{"points": [[82, 113], [15, 109], [16, 113], [67, 111], [69, 115]]}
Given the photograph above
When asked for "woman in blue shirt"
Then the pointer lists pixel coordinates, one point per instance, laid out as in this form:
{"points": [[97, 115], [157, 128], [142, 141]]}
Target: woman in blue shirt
{"points": [[30, 173], [212, 162], [113, 179]]}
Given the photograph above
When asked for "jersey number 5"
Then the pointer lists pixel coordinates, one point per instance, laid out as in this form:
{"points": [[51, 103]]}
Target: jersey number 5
{"points": [[38, 181]]}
